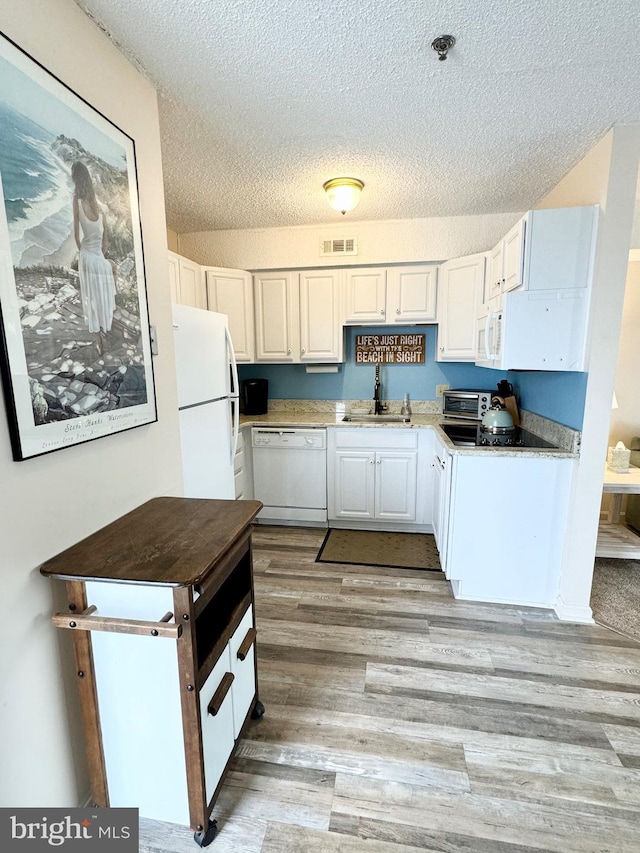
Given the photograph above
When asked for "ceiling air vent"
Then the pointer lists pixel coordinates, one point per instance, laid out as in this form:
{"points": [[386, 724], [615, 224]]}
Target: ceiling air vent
{"points": [[344, 246]]}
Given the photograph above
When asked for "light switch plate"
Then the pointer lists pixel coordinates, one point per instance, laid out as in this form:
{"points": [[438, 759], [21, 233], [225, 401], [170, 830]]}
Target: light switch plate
{"points": [[440, 389]]}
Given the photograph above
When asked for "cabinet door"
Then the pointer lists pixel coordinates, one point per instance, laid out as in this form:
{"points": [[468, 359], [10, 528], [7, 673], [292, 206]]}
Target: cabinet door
{"points": [[192, 289], [321, 331], [231, 292], [441, 498], [396, 483], [513, 257], [559, 248], [174, 277], [366, 295], [495, 273], [353, 485], [277, 318], [411, 294], [217, 728], [460, 293]]}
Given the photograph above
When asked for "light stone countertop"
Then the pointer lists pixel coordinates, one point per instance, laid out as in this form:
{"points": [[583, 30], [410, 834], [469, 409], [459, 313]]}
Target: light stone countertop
{"points": [[303, 418]]}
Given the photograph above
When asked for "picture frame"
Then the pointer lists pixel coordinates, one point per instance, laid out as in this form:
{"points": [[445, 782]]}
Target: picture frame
{"points": [[75, 346]]}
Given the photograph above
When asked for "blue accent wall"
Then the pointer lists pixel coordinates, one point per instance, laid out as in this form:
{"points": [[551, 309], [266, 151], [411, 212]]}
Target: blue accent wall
{"points": [[558, 396]]}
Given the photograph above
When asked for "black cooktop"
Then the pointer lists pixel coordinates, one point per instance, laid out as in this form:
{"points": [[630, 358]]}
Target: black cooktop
{"points": [[471, 435]]}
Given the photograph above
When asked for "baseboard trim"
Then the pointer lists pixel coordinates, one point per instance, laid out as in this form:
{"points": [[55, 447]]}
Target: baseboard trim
{"points": [[572, 613]]}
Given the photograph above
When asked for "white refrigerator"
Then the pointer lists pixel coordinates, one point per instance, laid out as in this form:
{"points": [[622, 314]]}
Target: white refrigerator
{"points": [[207, 401]]}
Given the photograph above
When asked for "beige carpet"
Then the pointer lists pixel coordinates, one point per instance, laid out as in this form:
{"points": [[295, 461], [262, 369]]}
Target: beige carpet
{"points": [[373, 548], [615, 595]]}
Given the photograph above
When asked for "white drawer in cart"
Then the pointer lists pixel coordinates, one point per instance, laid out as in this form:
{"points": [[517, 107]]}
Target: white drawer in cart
{"points": [[221, 723]]}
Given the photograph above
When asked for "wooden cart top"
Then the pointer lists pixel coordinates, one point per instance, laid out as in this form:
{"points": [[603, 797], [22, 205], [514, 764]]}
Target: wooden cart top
{"points": [[168, 541]]}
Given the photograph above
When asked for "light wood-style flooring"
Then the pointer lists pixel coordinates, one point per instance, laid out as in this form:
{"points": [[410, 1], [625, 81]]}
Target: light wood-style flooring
{"points": [[400, 720]]}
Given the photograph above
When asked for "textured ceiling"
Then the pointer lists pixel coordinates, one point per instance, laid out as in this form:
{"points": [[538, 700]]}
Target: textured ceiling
{"points": [[261, 101]]}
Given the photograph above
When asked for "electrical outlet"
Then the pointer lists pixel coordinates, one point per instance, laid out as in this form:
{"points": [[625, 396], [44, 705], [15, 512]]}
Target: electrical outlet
{"points": [[440, 389]]}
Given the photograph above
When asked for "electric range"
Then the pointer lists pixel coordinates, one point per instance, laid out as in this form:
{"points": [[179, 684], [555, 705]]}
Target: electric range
{"points": [[471, 435]]}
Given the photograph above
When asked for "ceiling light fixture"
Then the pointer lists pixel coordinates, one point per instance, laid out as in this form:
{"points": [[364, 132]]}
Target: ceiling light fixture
{"points": [[442, 45], [343, 194]]}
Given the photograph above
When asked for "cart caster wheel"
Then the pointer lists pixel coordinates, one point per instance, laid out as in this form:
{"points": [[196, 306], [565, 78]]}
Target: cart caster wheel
{"points": [[204, 838], [258, 710]]}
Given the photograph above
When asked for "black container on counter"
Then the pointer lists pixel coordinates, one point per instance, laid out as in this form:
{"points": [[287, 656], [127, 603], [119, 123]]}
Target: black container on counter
{"points": [[254, 396]]}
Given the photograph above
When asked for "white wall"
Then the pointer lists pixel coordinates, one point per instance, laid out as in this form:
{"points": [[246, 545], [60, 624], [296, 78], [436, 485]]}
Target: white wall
{"points": [[606, 176], [48, 503], [172, 240], [384, 242], [625, 420]]}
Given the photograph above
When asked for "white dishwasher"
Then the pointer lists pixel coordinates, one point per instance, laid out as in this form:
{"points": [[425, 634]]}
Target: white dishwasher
{"points": [[290, 475]]}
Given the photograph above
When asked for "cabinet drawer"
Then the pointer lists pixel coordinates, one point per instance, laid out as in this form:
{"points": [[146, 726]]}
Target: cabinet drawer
{"points": [[239, 484], [376, 438], [238, 462], [217, 728], [243, 668]]}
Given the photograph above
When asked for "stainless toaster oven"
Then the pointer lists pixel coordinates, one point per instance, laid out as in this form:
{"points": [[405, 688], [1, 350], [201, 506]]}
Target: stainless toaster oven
{"points": [[465, 403]]}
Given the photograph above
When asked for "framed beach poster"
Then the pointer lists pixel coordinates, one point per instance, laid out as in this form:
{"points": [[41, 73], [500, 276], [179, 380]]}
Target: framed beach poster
{"points": [[75, 351]]}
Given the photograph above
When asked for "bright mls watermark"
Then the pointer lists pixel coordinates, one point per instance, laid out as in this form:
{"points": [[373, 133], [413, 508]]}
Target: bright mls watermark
{"points": [[114, 830]]}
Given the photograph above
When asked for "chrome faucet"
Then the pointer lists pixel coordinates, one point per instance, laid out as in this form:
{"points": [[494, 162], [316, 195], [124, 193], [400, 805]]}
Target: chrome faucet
{"points": [[378, 408]]}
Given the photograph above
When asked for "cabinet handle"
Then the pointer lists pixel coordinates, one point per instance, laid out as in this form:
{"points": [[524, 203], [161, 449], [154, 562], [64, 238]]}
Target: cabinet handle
{"points": [[246, 644], [288, 352], [302, 351], [382, 310], [372, 462], [397, 310], [378, 461], [218, 697]]}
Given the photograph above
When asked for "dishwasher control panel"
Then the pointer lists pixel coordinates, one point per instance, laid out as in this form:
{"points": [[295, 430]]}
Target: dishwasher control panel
{"points": [[299, 439]]}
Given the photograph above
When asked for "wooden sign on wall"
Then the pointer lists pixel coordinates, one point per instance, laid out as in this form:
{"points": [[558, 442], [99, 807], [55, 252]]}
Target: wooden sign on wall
{"points": [[390, 349]]}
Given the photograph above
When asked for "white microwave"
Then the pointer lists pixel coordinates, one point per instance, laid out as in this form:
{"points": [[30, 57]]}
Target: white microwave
{"points": [[466, 403]]}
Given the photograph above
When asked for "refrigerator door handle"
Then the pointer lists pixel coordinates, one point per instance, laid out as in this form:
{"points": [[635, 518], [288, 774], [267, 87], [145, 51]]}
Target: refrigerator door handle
{"points": [[235, 420], [234, 391]]}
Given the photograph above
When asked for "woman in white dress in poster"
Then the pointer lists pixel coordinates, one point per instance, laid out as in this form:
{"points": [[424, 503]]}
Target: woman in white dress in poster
{"points": [[97, 274]]}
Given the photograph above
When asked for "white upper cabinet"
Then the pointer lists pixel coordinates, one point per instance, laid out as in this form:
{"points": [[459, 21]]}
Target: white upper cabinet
{"points": [[321, 315], [411, 294], [277, 317], [460, 290], [505, 263], [191, 284], [186, 281], [542, 321], [366, 295], [560, 248], [230, 292], [174, 276], [299, 316], [513, 257], [388, 295]]}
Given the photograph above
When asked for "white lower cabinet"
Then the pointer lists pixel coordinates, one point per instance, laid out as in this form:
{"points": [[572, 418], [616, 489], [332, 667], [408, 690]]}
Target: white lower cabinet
{"points": [[378, 478], [506, 524], [440, 505], [240, 468]]}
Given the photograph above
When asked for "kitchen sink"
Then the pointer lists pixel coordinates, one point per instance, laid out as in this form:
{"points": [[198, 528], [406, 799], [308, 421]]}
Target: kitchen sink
{"points": [[374, 419]]}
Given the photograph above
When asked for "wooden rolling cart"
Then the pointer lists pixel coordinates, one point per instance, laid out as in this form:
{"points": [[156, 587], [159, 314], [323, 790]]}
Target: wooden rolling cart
{"points": [[164, 697]]}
